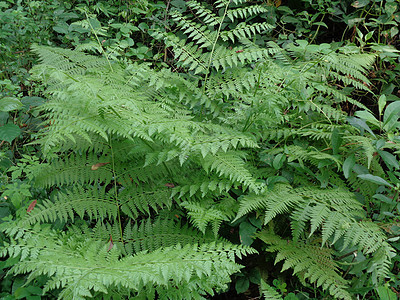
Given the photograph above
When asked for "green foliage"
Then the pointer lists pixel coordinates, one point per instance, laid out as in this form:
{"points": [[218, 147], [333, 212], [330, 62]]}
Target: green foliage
{"points": [[114, 157], [244, 131], [309, 262], [80, 265], [269, 293]]}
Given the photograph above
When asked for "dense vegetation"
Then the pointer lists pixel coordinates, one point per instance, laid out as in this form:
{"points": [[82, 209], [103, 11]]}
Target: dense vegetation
{"points": [[199, 149]]}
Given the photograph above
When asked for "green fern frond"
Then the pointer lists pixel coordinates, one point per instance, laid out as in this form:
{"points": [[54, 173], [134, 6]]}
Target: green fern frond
{"points": [[310, 262], [74, 169], [194, 31], [354, 65], [186, 53], [300, 217], [381, 262], [366, 144], [95, 204], [151, 146], [365, 234], [313, 156], [320, 131], [206, 15], [215, 212], [274, 201], [232, 82], [244, 30], [77, 64], [268, 292], [245, 12], [224, 58], [341, 97], [231, 165], [339, 199], [135, 201], [149, 236], [202, 186], [82, 266]]}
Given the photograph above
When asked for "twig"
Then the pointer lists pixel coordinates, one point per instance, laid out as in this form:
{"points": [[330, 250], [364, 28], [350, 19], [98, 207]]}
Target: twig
{"points": [[165, 27], [347, 254]]}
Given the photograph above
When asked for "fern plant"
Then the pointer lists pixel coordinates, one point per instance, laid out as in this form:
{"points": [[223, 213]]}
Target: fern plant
{"points": [[131, 150], [114, 171], [164, 261]]}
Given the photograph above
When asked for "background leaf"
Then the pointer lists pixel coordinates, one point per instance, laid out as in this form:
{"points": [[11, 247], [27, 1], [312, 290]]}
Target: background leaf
{"points": [[9, 132], [391, 116], [348, 165], [389, 159], [374, 179], [9, 104], [381, 103]]}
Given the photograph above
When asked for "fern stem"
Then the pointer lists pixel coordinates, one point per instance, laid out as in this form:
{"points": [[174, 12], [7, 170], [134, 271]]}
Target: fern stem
{"points": [[98, 41], [163, 163], [248, 123], [321, 111], [116, 192], [316, 31], [215, 44], [346, 255], [257, 86]]}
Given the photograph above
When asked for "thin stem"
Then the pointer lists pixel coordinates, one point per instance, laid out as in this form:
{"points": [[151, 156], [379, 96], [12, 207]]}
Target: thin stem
{"points": [[352, 261], [98, 41], [116, 192], [164, 164], [214, 45], [316, 32], [354, 252], [257, 86]]}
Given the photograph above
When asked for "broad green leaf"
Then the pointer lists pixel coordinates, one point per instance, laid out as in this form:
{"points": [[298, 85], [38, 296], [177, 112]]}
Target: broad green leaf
{"points": [[33, 101], [351, 22], [385, 293], [384, 199], [367, 116], [391, 116], [394, 31], [348, 165], [63, 29], [375, 179], [389, 159], [242, 285], [381, 103], [9, 132], [247, 232], [257, 222], [369, 35], [9, 104], [360, 124], [394, 177], [278, 161], [390, 7], [276, 179], [359, 33], [360, 3], [254, 276], [380, 144], [321, 24], [3, 117]]}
